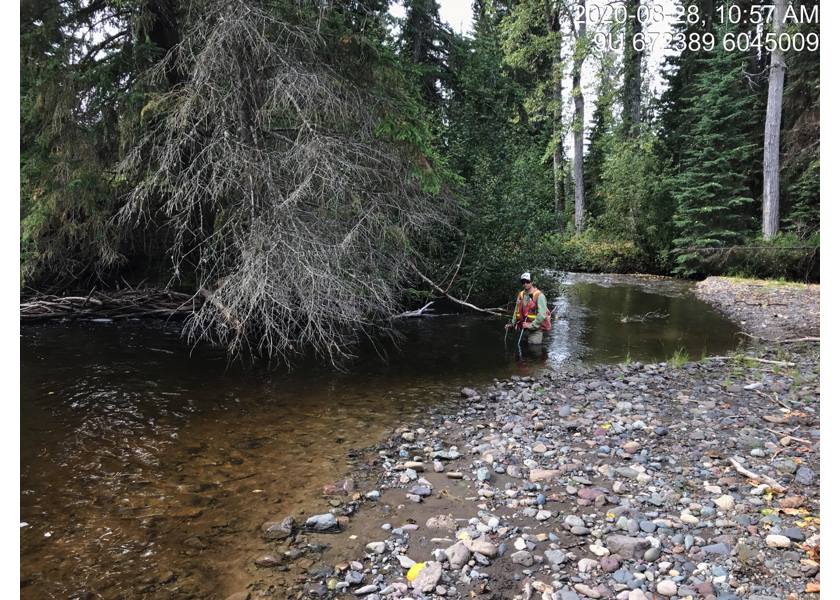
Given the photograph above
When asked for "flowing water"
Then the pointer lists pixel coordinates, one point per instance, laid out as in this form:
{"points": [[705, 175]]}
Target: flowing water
{"points": [[147, 466]]}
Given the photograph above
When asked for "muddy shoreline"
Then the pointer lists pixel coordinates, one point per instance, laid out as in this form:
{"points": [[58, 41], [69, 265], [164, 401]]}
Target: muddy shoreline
{"points": [[628, 481]]}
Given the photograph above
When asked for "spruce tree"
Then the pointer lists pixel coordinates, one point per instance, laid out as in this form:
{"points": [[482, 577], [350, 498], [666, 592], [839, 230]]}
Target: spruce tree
{"points": [[425, 43], [710, 190]]}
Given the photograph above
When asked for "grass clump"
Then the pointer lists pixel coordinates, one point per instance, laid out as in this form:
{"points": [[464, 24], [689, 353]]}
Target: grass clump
{"points": [[679, 358]]}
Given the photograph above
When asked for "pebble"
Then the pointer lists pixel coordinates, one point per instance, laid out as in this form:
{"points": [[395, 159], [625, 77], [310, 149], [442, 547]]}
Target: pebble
{"points": [[428, 578], [585, 565], [274, 530], [647, 526], [523, 557], [794, 534], [365, 590], [555, 557], [725, 502], [376, 547], [805, 476], [720, 548], [652, 554], [627, 546], [484, 547], [268, 561], [587, 591], [778, 541], [405, 562], [667, 587]]}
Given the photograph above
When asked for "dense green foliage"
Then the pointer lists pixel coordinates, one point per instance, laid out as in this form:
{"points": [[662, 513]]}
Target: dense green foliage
{"points": [[144, 144], [711, 186], [78, 103], [800, 173], [509, 208]]}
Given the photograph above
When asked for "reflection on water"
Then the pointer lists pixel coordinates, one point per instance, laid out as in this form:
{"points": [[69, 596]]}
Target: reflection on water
{"points": [[607, 319], [148, 466]]}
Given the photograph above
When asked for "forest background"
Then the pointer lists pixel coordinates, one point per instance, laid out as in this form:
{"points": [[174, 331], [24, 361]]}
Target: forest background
{"points": [[310, 168]]}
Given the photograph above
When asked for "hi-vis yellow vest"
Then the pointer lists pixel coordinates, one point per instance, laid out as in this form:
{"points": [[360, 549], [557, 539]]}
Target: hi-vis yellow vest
{"points": [[526, 312]]}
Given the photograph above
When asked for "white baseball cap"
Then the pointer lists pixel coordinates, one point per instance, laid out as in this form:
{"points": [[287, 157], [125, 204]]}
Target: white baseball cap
{"points": [[525, 275]]}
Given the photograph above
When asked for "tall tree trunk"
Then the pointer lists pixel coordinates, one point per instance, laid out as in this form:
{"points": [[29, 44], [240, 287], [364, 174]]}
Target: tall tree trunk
{"points": [[632, 109], [577, 94], [417, 28], [557, 120], [772, 125]]}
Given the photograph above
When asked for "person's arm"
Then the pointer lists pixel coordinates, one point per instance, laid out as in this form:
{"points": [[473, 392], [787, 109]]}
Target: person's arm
{"points": [[542, 308], [513, 316]]}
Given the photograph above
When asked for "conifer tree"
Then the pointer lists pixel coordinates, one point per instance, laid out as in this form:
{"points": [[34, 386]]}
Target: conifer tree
{"points": [[712, 198], [602, 128], [425, 42]]}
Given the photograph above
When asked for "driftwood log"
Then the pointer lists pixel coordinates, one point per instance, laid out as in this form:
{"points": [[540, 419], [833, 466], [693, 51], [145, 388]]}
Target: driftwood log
{"points": [[758, 477], [781, 341], [413, 313], [111, 304], [761, 360]]}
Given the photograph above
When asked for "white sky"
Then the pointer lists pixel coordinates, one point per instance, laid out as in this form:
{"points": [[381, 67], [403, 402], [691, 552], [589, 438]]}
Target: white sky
{"points": [[458, 13]]}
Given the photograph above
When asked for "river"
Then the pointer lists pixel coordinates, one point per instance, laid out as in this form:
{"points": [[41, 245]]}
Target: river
{"points": [[147, 465]]}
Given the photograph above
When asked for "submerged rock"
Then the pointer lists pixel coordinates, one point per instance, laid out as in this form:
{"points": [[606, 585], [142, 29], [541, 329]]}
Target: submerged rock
{"points": [[278, 530], [325, 522]]}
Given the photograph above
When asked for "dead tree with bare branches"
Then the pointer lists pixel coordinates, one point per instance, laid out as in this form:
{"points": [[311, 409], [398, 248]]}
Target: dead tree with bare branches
{"points": [[296, 218]]}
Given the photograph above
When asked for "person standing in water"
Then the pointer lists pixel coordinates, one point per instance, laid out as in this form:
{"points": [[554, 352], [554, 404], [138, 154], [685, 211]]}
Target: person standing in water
{"points": [[531, 314]]}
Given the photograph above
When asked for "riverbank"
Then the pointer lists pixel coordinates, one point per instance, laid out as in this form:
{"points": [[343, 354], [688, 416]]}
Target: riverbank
{"points": [[768, 310], [680, 479]]}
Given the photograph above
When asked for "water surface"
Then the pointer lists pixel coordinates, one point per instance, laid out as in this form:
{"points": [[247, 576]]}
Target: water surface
{"points": [[147, 466]]}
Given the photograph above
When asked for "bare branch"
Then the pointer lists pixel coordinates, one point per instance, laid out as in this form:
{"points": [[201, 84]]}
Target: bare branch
{"points": [[413, 313], [452, 298], [761, 360]]}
